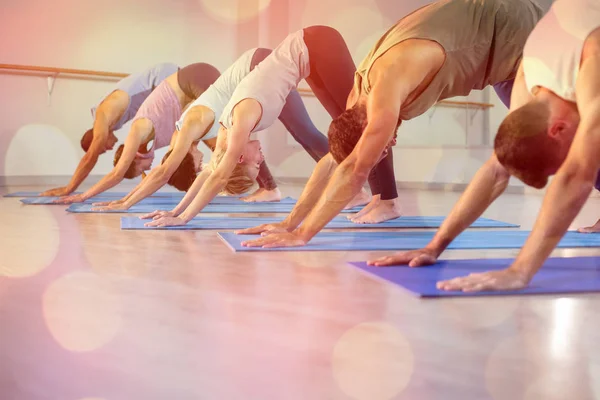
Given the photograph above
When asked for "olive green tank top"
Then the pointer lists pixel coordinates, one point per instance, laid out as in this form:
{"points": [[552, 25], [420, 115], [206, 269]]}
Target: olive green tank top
{"points": [[483, 41]]}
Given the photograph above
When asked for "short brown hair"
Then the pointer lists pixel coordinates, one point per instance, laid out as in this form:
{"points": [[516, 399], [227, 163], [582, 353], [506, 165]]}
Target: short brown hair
{"points": [[238, 183], [131, 172], [185, 174], [86, 139], [523, 146], [345, 131]]}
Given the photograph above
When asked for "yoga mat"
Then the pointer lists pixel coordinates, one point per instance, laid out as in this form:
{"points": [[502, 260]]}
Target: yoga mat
{"points": [[336, 223], [557, 276], [151, 201], [211, 208], [374, 241], [108, 195]]}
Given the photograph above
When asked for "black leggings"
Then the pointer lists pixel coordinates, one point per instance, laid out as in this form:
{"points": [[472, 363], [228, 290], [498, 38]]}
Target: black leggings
{"points": [[331, 79], [296, 120]]}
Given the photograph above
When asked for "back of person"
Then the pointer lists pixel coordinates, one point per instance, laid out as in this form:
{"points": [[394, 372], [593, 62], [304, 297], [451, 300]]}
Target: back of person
{"points": [[271, 81], [219, 93], [139, 86], [482, 39], [552, 55]]}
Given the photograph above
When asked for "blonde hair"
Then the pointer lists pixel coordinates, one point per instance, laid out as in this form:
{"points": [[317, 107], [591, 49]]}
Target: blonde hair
{"points": [[239, 182]]}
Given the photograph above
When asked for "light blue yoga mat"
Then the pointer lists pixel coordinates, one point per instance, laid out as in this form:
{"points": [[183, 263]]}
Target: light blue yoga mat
{"points": [[557, 276], [336, 223], [211, 208], [108, 195], [389, 241], [150, 201]]}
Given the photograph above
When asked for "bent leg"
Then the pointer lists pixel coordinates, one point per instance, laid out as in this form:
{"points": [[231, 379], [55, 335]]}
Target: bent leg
{"points": [[296, 120]]}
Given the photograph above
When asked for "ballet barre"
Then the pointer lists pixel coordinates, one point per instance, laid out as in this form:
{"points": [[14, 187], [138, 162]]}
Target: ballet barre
{"points": [[54, 71]]}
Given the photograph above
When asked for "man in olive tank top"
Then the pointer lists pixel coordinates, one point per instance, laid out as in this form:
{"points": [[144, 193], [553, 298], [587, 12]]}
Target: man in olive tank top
{"points": [[445, 49]]}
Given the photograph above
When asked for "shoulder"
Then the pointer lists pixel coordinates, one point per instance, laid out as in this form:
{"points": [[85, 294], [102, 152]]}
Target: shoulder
{"points": [[591, 46]]}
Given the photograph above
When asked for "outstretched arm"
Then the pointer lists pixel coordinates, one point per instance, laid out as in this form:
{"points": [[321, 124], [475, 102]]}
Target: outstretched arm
{"points": [[246, 114], [140, 129], [383, 108], [564, 199], [486, 186], [182, 205], [119, 204], [196, 123], [310, 195], [108, 111]]}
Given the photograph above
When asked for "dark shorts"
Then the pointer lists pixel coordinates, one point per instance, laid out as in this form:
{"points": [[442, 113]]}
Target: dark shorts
{"points": [[194, 79]]}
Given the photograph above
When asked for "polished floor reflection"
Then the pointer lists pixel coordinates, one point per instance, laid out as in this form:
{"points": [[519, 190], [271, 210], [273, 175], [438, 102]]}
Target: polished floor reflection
{"points": [[88, 311]]}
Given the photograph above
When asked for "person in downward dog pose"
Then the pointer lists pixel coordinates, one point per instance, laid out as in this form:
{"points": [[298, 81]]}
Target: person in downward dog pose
{"points": [[553, 128], [317, 54], [445, 49], [115, 110], [200, 123], [152, 126]]}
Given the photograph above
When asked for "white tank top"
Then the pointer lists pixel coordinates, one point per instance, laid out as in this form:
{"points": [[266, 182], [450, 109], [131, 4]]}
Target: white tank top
{"points": [[218, 94], [552, 54], [271, 81]]}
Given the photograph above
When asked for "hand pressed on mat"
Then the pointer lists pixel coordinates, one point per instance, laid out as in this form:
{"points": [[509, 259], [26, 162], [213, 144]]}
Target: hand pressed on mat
{"points": [[507, 279], [413, 258], [57, 192], [284, 239], [113, 206], [77, 198], [157, 214], [166, 221], [264, 229]]}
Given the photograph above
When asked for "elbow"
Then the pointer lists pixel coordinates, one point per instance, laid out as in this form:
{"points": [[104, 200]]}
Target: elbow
{"points": [[577, 175], [356, 172], [115, 177], [163, 176]]}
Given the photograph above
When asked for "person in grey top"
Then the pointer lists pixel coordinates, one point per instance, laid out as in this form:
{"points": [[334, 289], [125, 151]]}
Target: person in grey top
{"points": [[115, 110]]}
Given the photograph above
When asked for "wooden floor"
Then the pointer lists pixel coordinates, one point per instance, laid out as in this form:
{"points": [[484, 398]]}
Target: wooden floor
{"points": [[91, 312]]}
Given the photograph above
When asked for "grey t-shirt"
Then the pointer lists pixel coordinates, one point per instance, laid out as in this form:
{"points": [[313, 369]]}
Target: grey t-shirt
{"points": [[139, 86]]}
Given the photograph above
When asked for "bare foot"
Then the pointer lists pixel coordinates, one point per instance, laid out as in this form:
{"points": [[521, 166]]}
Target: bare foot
{"points": [[591, 229], [264, 196], [372, 204], [384, 211], [359, 200]]}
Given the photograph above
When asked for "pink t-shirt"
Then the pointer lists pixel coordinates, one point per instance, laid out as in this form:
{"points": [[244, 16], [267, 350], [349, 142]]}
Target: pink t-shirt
{"points": [[162, 108]]}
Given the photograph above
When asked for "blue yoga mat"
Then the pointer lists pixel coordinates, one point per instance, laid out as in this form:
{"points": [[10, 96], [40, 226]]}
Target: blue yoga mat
{"points": [[105, 195], [240, 208], [149, 201], [336, 223], [374, 241], [557, 276]]}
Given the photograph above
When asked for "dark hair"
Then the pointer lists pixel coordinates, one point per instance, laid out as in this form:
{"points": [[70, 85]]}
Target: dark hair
{"points": [[185, 174], [523, 146], [131, 172], [86, 139], [345, 131]]}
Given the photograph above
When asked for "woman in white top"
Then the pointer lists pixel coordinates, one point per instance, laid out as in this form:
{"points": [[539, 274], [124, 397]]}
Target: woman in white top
{"points": [[258, 100]]}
